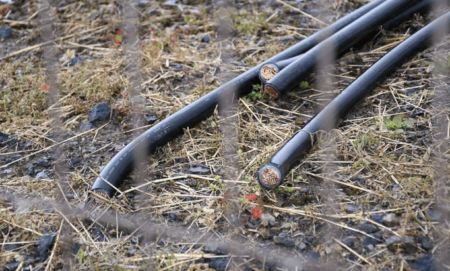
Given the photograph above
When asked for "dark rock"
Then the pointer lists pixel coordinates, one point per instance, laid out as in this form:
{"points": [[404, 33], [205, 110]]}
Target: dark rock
{"points": [[99, 235], [425, 242], [348, 242], [172, 216], [6, 140], [368, 228], [390, 220], [359, 180], [143, 3], [199, 170], [86, 127], [206, 39], [14, 158], [11, 266], [82, 97], [154, 12], [74, 61], [428, 55], [136, 240], [30, 171], [76, 247], [409, 245], [410, 92], [394, 243], [433, 215], [73, 163], [278, 240], [377, 218], [44, 243], [218, 263], [149, 119], [408, 108], [417, 113], [214, 248], [282, 239], [42, 175], [43, 162], [177, 67], [371, 241], [10, 247], [5, 32], [351, 208], [239, 63], [131, 252], [426, 263], [28, 145], [99, 112], [285, 39], [302, 246]]}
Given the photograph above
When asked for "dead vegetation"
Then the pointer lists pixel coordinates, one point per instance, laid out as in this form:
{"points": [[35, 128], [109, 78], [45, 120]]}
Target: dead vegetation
{"points": [[382, 175]]}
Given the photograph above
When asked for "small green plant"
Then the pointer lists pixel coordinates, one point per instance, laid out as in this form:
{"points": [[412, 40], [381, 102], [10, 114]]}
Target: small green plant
{"points": [[363, 141], [246, 23], [397, 123], [210, 121], [254, 95], [218, 187], [304, 85]]}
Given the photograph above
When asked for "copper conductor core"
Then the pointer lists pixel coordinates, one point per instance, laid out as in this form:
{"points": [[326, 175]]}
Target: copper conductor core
{"points": [[268, 71], [271, 91], [101, 194], [270, 176]]}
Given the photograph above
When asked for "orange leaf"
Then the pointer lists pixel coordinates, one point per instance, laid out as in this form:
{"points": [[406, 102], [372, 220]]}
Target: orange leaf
{"points": [[256, 212], [251, 197]]}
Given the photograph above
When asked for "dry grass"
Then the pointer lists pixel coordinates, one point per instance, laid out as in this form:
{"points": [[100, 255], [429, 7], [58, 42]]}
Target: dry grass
{"points": [[176, 220]]}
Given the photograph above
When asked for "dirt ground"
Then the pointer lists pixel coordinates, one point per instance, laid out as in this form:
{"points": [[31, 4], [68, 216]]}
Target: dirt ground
{"points": [[372, 194]]}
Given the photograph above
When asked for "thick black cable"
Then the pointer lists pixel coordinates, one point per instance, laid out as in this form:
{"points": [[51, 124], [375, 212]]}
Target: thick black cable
{"points": [[122, 163], [290, 76], [270, 69], [271, 174]]}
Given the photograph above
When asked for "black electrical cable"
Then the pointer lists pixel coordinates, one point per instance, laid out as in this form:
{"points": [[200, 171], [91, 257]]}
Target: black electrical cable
{"points": [[121, 164], [270, 69], [289, 77], [272, 174]]}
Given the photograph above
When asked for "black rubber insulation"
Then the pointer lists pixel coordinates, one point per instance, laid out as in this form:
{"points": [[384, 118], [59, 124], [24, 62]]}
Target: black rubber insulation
{"points": [[289, 77], [270, 69], [112, 175], [272, 174]]}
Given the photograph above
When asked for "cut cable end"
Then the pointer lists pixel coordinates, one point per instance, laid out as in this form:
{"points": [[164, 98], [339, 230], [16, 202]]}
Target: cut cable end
{"points": [[269, 177], [101, 193], [268, 89], [268, 71]]}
